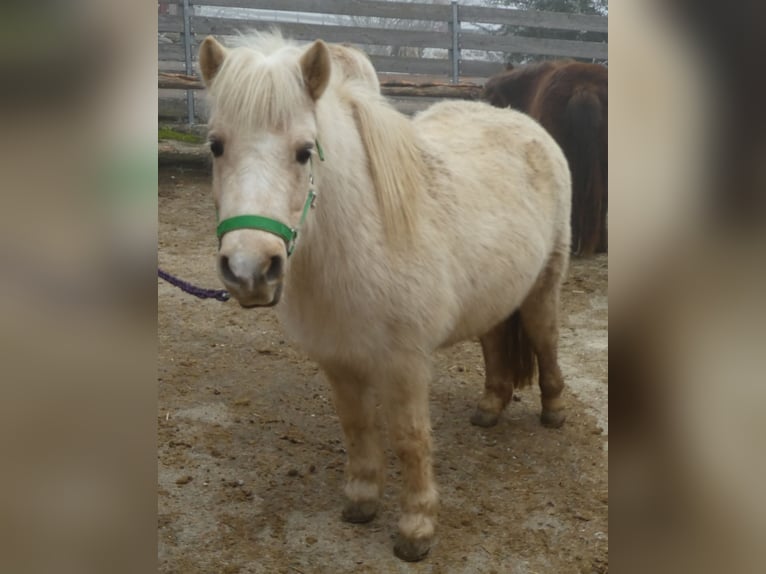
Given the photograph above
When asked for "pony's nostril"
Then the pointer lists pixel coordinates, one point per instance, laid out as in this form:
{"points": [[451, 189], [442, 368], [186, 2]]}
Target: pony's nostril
{"points": [[226, 272], [275, 268], [261, 271]]}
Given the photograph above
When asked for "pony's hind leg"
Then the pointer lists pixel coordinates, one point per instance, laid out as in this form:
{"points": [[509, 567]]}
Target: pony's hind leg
{"points": [[365, 472], [498, 378], [404, 396], [539, 313]]}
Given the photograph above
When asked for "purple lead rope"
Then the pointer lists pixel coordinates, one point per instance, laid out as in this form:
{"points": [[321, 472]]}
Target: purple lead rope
{"points": [[217, 294]]}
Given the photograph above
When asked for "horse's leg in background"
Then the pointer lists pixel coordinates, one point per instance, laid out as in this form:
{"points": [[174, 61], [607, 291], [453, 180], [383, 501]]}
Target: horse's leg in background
{"points": [[603, 244], [591, 210], [365, 472], [539, 312], [498, 378], [403, 388]]}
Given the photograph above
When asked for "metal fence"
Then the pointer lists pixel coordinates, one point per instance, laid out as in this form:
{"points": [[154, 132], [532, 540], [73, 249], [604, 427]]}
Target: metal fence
{"points": [[433, 42]]}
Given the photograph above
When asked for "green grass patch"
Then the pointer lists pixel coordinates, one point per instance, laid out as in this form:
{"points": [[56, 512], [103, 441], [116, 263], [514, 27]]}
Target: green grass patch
{"points": [[171, 134]]}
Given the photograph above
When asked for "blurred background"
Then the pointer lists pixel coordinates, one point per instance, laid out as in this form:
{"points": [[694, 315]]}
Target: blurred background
{"points": [[78, 172], [687, 283], [78, 106]]}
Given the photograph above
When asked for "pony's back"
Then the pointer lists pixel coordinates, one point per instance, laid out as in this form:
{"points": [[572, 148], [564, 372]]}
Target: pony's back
{"points": [[516, 87], [509, 182]]}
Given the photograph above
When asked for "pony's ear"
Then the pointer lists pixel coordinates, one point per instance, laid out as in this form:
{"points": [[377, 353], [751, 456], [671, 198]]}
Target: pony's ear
{"points": [[211, 57], [316, 68]]}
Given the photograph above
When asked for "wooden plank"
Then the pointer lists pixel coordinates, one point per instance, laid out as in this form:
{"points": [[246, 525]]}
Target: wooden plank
{"points": [[372, 8], [171, 66], [534, 19], [394, 64], [167, 23], [425, 66], [172, 109], [543, 46], [383, 64], [170, 81], [307, 32], [168, 51], [480, 68]]}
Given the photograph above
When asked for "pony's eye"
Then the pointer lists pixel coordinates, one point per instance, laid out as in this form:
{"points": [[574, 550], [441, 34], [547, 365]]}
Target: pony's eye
{"points": [[216, 147], [303, 155]]}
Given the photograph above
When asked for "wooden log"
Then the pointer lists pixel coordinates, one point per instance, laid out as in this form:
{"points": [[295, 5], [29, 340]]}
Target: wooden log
{"points": [[172, 152], [173, 81], [465, 91]]}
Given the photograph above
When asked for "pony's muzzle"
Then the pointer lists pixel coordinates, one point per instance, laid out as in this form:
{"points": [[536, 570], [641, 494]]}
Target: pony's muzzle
{"points": [[253, 279]]}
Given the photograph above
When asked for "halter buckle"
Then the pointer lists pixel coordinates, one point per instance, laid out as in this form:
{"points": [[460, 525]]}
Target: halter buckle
{"points": [[290, 245]]}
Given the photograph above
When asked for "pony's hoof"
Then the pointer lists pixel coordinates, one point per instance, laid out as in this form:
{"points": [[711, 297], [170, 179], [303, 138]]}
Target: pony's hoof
{"points": [[411, 549], [360, 512], [482, 418], [553, 419]]}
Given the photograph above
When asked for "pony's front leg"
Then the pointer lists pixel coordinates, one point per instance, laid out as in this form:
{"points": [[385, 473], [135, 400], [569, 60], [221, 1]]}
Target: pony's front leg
{"points": [[365, 472], [404, 394]]}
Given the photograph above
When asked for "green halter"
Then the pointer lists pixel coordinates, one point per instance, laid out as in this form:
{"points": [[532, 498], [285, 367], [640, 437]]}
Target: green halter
{"points": [[288, 234]]}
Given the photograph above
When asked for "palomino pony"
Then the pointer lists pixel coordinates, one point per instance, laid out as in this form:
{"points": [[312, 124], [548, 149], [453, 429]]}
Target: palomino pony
{"points": [[411, 235], [570, 100]]}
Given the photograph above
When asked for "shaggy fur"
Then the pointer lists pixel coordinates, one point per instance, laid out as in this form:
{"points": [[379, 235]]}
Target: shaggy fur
{"points": [[427, 231], [570, 100]]}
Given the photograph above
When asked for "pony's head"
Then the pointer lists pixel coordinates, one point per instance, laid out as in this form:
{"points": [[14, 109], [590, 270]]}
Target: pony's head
{"points": [[262, 133]]}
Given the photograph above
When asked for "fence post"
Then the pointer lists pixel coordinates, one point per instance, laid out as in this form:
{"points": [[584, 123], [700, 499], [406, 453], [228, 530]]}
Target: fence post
{"points": [[454, 52], [188, 59]]}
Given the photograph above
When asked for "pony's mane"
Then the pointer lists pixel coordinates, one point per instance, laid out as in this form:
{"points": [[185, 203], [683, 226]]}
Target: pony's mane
{"points": [[260, 82], [396, 161], [352, 64]]}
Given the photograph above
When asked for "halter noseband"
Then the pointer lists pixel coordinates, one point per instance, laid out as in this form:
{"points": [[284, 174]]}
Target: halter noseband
{"points": [[288, 234]]}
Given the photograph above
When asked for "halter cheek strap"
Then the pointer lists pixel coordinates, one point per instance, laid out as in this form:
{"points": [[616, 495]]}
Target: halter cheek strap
{"points": [[288, 234]]}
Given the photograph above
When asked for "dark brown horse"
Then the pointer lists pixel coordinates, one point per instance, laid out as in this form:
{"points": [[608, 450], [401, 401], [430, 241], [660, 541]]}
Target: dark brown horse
{"points": [[570, 100]]}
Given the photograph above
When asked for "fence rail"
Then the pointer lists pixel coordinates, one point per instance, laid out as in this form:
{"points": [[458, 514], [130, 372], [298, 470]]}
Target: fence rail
{"points": [[367, 8], [447, 42]]}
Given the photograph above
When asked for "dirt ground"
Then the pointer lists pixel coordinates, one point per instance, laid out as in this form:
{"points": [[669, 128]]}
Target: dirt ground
{"points": [[251, 458]]}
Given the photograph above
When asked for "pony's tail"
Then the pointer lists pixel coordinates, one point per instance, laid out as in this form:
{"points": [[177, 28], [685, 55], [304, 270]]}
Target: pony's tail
{"points": [[523, 358], [585, 118]]}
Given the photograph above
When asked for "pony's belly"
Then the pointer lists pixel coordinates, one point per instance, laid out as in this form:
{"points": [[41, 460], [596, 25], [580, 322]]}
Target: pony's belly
{"points": [[487, 299], [474, 324]]}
